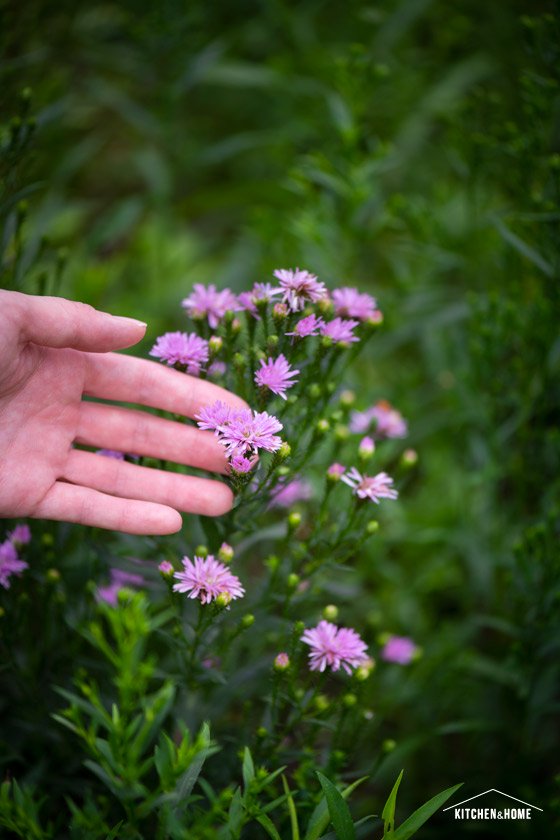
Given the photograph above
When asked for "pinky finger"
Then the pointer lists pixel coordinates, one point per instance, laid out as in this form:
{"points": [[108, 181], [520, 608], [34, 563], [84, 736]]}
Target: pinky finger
{"points": [[71, 503]]}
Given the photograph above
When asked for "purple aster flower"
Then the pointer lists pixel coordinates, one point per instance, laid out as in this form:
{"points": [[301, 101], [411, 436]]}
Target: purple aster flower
{"points": [[399, 649], [260, 292], [119, 580], [217, 369], [334, 646], [207, 300], [310, 325], [206, 579], [241, 464], [299, 287], [351, 303], [10, 564], [276, 375], [179, 348], [370, 487], [241, 432], [21, 535], [390, 422], [287, 494], [340, 329]]}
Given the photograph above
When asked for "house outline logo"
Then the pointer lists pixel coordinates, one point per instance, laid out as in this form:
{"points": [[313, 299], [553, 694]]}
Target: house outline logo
{"points": [[477, 813]]}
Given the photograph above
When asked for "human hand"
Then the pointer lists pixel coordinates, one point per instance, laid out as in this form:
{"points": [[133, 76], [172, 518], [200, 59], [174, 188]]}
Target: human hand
{"points": [[53, 352]]}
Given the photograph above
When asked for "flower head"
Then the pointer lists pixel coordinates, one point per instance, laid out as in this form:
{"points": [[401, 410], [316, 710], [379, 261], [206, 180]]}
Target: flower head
{"points": [[206, 579], [287, 494], [277, 375], [241, 464], [10, 564], [389, 422], [340, 329], [21, 535], [166, 568], [208, 301], [300, 287], [243, 431], [334, 646], [310, 325], [370, 487], [179, 348], [399, 649], [260, 292], [351, 303]]}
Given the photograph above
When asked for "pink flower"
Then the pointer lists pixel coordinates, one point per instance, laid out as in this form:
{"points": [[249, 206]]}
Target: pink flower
{"points": [[21, 535], [300, 287], [276, 375], [206, 578], [340, 329], [217, 369], [281, 661], [336, 470], [241, 464], [370, 487], [241, 432], [307, 326], [260, 292], [207, 300], [119, 580], [354, 304], [366, 447], [10, 564], [179, 348], [334, 646], [389, 422], [287, 494], [399, 649]]}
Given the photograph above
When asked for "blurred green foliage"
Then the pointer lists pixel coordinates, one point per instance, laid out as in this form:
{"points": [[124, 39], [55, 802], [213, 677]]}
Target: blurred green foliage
{"points": [[410, 147]]}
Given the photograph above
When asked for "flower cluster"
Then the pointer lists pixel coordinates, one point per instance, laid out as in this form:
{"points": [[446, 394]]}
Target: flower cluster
{"points": [[10, 563], [241, 431]]}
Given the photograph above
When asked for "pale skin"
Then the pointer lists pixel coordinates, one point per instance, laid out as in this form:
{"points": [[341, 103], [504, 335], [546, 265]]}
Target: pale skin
{"points": [[53, 352]]}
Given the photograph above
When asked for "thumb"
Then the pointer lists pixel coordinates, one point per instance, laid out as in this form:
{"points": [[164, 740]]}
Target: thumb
{"points": [[57, 322]]}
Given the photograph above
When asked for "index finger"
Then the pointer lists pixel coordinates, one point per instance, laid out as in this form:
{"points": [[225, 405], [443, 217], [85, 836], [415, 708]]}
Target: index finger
{"points": [[112, 376]]}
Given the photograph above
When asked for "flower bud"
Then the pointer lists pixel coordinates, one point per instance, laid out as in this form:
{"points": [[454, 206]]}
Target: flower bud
{"points": [[292, 580], [335, 472], [364, 671], [201, 551], [166, 568], [409, 458], [294, 520], [283, 471], [215, 344], [366, 449], [279, 312], [314, 391], [47, 539], [284, 452], [330, 612], [273, 562], [388, 745], [53, 575], [372, 527], [281, 662], [247, 621], [239, 361], [299, 627], [321, 703], [347, 398], [349, 700], [341, 432], [236, 326], [325, 306], [272, 343], [322, 426], [223, 600], [376, 319], [226, 553]]}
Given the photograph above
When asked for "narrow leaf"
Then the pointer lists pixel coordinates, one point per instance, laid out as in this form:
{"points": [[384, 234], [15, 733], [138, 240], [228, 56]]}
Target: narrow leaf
{"points": [[416, 820], [339, 811], [291, 810], [388, 813]]}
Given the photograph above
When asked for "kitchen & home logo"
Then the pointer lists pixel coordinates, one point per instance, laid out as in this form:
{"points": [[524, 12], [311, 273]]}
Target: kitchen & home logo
{"points": [[475, 809]]}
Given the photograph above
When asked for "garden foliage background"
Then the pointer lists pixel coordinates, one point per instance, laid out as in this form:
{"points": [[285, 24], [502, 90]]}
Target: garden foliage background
{"points": [[410, 148]]}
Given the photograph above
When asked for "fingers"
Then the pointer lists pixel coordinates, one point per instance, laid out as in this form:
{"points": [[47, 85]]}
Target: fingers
{"points": [[119, 478], [126, 379], [126, 430], [67, 503], [57, 322]]}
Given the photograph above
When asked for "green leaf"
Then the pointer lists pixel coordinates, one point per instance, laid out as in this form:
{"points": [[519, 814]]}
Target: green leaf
{"points": [[319, 819], [188, 778], [248, 768], [416, 820], [388, 813], [268, 826], [339, 811], [291, 809], [114, 833]]}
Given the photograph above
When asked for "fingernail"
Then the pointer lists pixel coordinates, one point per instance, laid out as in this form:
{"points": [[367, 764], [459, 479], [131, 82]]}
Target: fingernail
{"points": [[134, 321]]}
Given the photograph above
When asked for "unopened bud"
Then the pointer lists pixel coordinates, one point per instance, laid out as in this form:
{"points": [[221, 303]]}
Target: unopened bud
{"points": [[314, 391], [283, 471], [322, 426], [53, 575], [272, 343], [201, 551], [409, 458], [280, 312], [372, 527], [388, 745], [282, 662], [273, 562], [225, 553], [285, 451], [325, 306], [347, 398], [262, 732], [364, 671], [215, 344], [239, 361], [366, 448], [299, 627], [376, 319], [223, 600], [330, 612], [294, 519], [247, 621], [292, 580], [342, 432], [166, 568], [321, 703], [335, 472], [349, 700]]}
